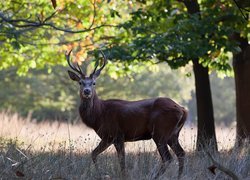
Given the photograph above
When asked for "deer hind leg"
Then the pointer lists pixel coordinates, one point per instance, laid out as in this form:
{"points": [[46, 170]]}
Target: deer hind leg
{"points": [[163, 150], [102, 146], [173, 142]]}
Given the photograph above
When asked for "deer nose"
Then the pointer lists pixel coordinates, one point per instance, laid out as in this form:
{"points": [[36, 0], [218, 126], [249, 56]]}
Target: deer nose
{"points": [[86, 91]]}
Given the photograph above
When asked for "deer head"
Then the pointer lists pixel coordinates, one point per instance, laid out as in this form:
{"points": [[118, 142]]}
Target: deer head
{"points": [[87, 83]]}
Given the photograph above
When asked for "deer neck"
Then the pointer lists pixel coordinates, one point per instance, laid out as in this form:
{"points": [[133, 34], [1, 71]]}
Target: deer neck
{"points": [[90, 111]]}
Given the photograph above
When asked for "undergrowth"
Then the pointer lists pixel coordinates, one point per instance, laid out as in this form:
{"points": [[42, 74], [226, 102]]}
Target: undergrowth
{"points": [[62, 151]]}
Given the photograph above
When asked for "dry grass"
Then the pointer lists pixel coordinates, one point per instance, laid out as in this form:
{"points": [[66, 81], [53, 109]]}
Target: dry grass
{"points": [[62, 151]]}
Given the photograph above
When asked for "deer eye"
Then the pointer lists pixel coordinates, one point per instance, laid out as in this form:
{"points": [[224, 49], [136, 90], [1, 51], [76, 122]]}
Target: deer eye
{"points": [[93, 83], [81, 83]]}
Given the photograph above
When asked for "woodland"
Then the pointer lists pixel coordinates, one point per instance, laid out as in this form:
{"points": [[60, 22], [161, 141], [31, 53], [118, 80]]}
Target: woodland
{"points": [[195, 52]]}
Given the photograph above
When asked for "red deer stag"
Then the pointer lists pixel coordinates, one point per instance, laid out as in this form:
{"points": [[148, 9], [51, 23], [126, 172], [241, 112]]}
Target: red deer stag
{"points": [[118, 121]]}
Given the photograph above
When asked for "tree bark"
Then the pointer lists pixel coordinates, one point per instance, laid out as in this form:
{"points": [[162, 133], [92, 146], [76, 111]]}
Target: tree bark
{"points": [[206, 130], [241, 66], [206, 137]]}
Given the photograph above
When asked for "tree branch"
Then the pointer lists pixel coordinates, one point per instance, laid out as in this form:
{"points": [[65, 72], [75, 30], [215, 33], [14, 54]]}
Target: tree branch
{"points": [[241, 10], [40, 23], [59, 43], [222, 168]]}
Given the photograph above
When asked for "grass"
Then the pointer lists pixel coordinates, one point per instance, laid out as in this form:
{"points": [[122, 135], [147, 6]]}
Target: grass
{"points": [[61, 151]]}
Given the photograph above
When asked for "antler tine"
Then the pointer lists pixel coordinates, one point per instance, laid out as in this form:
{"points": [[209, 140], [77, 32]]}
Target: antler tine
{"points": [[96, 73], [72, 66], [96, 67], [105, 59], [80, 69], [104, 62], [68, 60]]}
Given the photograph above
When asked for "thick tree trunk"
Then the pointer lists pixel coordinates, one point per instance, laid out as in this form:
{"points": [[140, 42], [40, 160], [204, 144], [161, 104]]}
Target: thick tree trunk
{"points": [[206, 137], [206, 130], [241, 65]]}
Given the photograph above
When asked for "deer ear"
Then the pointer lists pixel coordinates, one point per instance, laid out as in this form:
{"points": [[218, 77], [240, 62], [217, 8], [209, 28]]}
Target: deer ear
{"points": [[73, 76]]}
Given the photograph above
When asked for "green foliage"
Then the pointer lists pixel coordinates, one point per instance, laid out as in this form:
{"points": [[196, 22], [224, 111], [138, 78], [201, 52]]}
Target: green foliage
{"points": [[40, 93], [164, 31], [34, 36]]}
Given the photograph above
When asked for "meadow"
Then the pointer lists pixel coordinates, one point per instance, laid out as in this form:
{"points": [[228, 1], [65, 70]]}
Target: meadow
{"points": [[53, 150]]}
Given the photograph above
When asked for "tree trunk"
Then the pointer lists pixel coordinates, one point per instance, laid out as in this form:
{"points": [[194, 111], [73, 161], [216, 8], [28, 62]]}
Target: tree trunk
{"points": [[241, 65], [206, 130], [206, 137]]}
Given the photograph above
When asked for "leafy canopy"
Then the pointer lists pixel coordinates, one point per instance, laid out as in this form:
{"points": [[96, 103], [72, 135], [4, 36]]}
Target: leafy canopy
{"points": [[165, 31], [35, 35]]}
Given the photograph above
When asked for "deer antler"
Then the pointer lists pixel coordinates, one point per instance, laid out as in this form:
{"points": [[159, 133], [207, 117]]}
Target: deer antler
{"points": [[72, 66], [96, 73]]}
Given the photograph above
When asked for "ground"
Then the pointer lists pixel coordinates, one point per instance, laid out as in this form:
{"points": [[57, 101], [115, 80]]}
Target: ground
{"points": [[62, 151]]}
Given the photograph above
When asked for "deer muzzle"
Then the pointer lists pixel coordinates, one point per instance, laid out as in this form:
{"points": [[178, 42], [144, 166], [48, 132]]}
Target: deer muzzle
{"points": [[86, 93]]}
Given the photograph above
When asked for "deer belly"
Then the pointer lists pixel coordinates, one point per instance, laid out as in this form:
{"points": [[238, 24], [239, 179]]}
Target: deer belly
{"points": [[135, 129], [130, 138], [136, 134]]}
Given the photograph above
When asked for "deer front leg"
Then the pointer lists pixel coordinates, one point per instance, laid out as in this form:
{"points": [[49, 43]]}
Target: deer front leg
{"points": [[99, 149], [119, 146], [121, 154]]}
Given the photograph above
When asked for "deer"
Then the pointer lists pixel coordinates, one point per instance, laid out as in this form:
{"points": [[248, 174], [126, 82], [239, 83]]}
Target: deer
{"points": [[118, 121]]}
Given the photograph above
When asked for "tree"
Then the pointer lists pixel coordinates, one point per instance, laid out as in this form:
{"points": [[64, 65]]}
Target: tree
{"points": [[241, 66], [206, 128]]}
